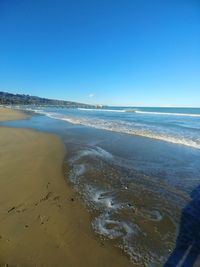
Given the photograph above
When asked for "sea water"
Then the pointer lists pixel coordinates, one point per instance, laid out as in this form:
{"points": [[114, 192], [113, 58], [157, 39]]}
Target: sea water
{"points": [[175, 125]]}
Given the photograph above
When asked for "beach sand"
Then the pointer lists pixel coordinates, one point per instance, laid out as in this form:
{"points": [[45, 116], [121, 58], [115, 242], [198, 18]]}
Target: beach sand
{"points": [[42, 222], [8, 114]]}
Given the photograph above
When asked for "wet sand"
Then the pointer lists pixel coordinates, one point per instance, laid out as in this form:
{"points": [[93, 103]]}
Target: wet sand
{"points": [[42, 222]]}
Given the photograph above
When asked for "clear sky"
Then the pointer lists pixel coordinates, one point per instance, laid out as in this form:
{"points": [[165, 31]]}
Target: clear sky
{"points": [[117, 52]]}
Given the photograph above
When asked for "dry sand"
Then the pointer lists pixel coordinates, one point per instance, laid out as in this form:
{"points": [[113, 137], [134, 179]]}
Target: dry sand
{"points": [[42, 223]]}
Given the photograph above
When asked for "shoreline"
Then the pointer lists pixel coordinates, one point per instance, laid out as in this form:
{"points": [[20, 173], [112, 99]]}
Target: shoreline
{"points": [[42, 222]]}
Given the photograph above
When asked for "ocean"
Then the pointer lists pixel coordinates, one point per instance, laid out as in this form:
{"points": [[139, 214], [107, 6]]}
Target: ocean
{"points": [[134, 168], [175, 125]]}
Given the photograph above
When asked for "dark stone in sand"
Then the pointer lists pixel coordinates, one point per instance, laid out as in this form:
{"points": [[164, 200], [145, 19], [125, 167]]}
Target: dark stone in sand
{"points": [[13, 208]]}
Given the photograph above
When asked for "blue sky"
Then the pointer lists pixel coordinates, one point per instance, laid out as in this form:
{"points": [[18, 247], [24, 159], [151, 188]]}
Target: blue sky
{"points": [[117, 52]]}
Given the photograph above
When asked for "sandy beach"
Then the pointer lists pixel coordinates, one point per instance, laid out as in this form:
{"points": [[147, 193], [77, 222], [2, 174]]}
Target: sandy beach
{"points": [[42, 222], [8, 114]]}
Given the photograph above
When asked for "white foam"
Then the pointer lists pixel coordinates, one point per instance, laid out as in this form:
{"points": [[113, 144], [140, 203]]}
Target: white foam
{"points": [[101, 199], [113, 229], [106, 199], [152, 215], [103, 110], [93, 151], [168, 113], [77, 171], [135, 130]]}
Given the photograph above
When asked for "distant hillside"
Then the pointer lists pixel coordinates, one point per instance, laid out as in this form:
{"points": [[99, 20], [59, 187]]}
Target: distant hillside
{"points": [[18, 99]]}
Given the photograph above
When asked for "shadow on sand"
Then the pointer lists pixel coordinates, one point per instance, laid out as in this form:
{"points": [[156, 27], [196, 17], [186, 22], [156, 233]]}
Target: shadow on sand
{"points": [[188, 241]]}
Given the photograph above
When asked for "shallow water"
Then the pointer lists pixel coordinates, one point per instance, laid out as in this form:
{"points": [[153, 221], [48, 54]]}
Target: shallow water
{"points": [[138, 212], [135, 187]]}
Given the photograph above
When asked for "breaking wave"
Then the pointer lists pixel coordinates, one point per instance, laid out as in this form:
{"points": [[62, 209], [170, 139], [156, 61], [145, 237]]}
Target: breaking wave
{"points": [[138, 129]]}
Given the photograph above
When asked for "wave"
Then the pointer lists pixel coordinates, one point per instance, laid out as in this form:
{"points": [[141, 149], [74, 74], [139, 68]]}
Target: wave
{"points": [[131, 110], [168, 113], [127, 128], [103, 110], [108, 110], [142, 112]]}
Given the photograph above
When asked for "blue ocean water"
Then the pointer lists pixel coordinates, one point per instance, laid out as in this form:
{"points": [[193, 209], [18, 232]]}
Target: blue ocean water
{"points": [[175, 125]]}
